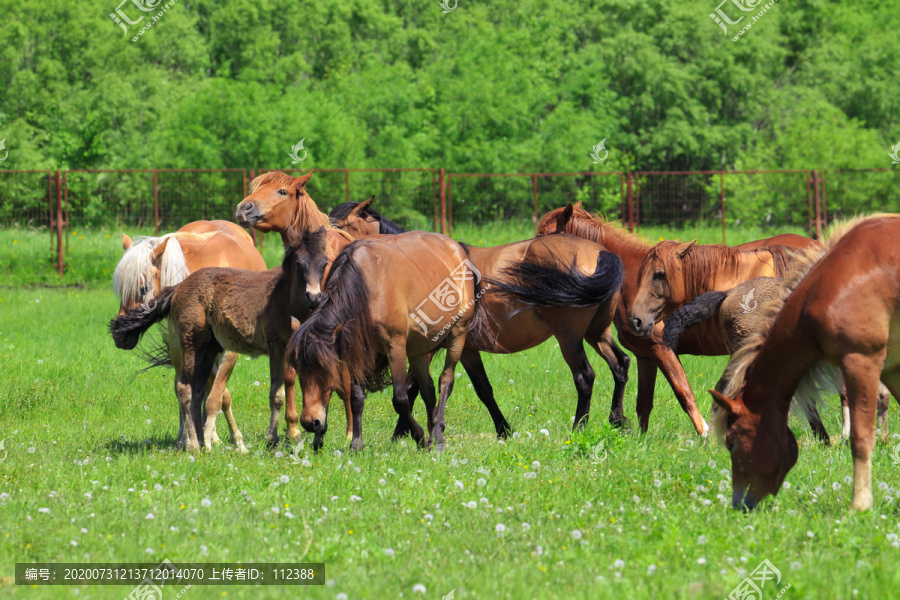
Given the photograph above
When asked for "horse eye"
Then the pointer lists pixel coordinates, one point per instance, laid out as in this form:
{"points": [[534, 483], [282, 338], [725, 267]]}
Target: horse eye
{"points": [[282, 192], [659, 276]]}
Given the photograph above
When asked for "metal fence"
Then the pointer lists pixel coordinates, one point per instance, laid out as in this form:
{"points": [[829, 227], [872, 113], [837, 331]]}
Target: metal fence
{"points": [[166, 199]]}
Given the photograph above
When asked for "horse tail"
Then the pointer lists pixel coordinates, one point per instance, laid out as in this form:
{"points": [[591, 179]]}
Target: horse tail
{"points": [[341, 331], [695, 312], [553, 283], [157, 355], [127, 329]]}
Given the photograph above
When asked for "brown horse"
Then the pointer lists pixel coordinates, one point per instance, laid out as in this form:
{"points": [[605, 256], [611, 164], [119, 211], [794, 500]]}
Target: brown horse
{"points": [[735, 313], [388, 298], [650, 352], [672, 274], [561, 286], [837, 316], [278, 202], [153, 263], [238, 310]]}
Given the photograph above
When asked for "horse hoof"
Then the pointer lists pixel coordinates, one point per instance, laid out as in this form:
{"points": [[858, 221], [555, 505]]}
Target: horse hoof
{"points": [[356, 446], [294, 433]]}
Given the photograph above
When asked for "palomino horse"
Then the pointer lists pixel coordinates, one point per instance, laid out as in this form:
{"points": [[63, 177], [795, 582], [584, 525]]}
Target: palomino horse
{"points": [[735, 312], [561, 286], [838, 316], [277, 202], [650, 352], [153, 263], [238, 310], [388, 298]]}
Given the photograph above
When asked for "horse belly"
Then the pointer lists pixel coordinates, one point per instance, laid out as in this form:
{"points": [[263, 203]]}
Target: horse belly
{"points": [[242, 340]]}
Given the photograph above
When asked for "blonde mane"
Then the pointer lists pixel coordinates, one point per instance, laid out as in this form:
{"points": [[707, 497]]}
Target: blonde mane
{"points": [[805, 260], [135, 269], [306, 215]]}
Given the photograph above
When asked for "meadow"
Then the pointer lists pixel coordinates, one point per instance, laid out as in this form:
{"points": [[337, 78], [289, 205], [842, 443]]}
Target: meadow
{"points": [[88, 473]]}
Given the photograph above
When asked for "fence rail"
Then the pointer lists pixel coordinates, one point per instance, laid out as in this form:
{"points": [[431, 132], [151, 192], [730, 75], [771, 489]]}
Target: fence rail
{"points": [[426, 198]]}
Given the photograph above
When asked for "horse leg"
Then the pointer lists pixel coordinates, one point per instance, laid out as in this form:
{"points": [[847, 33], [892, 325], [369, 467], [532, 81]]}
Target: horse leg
{"points": [[455, 350], [357, 404], [884, 402], [290, 404], [276, 393], [845, 413], [472, 363], [419, 366], [348, 411], [397, 361], [646, 387], [204, 364], [215, 400], [237, 438], [175, 354], [861, 374], [605, 345], [412, 390], [572, 348], [674, 373], [815, 423]]}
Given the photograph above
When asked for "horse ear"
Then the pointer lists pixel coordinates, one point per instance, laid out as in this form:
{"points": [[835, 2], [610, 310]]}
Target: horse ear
{"points": [[682, 249], [295, 324], [337, 330], [160, 250], [565, 216], [293, 237], [731, 406], [126, 242], [363, 207], [299, 182], [578, 205]]}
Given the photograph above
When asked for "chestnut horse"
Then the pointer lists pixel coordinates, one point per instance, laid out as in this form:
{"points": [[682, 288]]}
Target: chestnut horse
{"points": [[278, 202], [238, 310], [561, 286], [838, 316], [650, 352], [152, 263], [735, 314], [672, 274], [387, 299]]}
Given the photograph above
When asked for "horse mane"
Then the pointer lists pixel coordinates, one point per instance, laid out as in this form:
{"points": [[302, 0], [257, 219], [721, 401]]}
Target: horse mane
{"points": [[306, 214], [804, 261], [313, 240], [594, 227], [386, 226], [134, 268], [317, 346]]}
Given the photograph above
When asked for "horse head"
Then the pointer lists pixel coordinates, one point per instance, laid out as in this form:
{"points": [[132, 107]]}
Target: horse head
{"points": [[137, 277], [357, 218], [660, 285], [305, 260], [274, 200], [763, 448]]}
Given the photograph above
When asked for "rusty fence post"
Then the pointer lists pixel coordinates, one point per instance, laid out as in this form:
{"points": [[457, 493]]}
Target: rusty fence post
{"points": [[347, 182], [534, 184], [443, 184], [629, 183], [722, 197], [156, 200], [60, 259], [815, 176]]}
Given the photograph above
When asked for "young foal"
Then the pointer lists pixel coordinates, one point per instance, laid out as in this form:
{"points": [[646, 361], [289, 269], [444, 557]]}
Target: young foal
{"points": [[843, 310], [238, 310], [388, 298]]}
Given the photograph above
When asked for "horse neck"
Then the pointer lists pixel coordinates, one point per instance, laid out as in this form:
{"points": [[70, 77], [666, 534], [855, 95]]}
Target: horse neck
{"points": [[335, 241], [308, 217]]}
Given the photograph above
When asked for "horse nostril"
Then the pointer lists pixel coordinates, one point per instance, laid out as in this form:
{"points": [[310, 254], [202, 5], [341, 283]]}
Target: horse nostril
{"points": [[637, 322], [317, 425], [312, 300], [248, 208]]}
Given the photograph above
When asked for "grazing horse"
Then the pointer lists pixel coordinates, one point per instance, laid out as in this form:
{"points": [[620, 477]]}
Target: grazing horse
{"points": [[561, 286], [735, 313], [650, 352], [672, 274], [840, 315], [151, 263], [238, 310], [388, 298], [278, 202]]}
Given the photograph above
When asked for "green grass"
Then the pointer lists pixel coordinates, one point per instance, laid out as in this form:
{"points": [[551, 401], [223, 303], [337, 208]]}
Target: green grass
{"points": [[77, 418]]}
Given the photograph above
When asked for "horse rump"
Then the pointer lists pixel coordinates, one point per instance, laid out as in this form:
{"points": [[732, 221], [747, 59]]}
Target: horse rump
{"points": [[127, 329], [554, 283], [695, 312]]}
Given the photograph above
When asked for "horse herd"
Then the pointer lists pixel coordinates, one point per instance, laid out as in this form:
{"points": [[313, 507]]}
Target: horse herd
{"points": [[358, 300]]}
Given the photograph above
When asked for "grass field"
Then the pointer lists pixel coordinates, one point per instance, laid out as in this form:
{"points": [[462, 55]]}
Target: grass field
{"points": [[88, 474]]}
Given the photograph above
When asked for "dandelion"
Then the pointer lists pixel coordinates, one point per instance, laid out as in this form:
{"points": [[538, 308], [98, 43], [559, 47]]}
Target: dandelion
{"points": [[516, 435], [576, 534], [31, 450], [483, 500], [530, 475], [285, 479], [706, 502], [341, 596], [545, 432], [459, 484], [428, 517], [419, 589], [472, 504], [535, 465], [204, 550], [206, 503], [701, 539], [389, 552], [651, 569], [848, 480], [500, 528], [657, 483], [334, 498], [4, 497], [511, 382], [149, 551], [636, 499], [337, 453], [279, 454], [84, 530], [88, 496], [795, 565], [275, 510], [539, 550], [819, 490], [74, 543], [40, 361], [289, 514], [525, 526], [44, 510], [256, 384], [354, 498], [711, 464], [481, 482], [157, 487], [619, 564], [149, 516], [149, 421], [382, 481], [701, 561], [787, 485], [810, 534], [835, 486], [882, 486]]}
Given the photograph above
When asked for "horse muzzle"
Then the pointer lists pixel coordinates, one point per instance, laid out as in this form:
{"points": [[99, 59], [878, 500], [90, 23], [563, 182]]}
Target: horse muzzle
{"points": [[247, 215], [640, 326]]}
